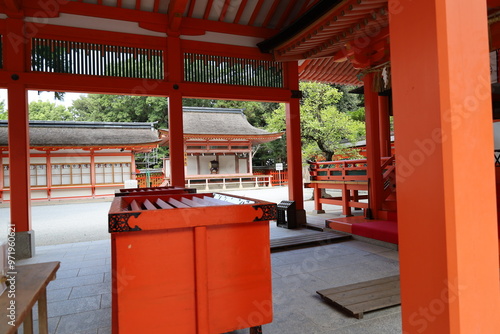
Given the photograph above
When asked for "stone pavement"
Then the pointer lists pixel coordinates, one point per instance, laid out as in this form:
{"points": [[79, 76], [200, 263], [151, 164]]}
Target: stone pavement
{"points": [[79, 300]]}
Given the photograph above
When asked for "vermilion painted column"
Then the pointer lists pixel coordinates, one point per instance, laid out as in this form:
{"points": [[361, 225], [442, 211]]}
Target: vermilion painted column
{"points": [[175, 118], [385, 126], [373, 145], [19, 158], [293, 144], [445, 168]]}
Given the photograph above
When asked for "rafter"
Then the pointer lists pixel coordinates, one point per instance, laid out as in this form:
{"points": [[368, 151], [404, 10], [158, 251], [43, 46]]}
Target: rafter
{"points": [[255, 13], [243, 4], [271, 13], [191, 8], [156, 6], [176, 9], [223, 12], [286, 14], [208, 8]]}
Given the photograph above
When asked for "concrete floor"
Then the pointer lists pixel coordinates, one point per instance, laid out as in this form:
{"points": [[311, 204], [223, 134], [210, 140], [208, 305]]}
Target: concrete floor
{"points": [[80, 298]]}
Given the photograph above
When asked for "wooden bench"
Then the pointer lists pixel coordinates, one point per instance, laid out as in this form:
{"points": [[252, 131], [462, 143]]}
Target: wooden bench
{"points": [[30, 287]]}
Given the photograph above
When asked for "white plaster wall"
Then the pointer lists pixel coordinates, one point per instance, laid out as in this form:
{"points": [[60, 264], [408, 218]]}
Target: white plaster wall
{"points": [[38, 194], [496, 132], [69, 160], [227, 164], [107, 190], [205, 164], [61, 193], [38, 160], [123, 159], [243, 164], [192, 166], [166, 167]]}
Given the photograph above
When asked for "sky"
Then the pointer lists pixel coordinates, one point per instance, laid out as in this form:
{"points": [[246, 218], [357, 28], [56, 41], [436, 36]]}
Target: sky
{"points": [[44, 96]]}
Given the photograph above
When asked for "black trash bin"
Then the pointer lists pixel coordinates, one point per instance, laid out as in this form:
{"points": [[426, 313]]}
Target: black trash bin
{"points": [[287, 215]]}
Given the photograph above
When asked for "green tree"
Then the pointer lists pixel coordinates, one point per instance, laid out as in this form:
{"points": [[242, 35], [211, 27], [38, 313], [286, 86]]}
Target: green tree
{"points": [[121, 108], [348, 102], [3, 112], [325, 130], [47, 111]]}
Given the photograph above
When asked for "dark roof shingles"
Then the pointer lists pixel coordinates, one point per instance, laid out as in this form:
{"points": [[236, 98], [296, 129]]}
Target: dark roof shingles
{"points": [[85, 136]]}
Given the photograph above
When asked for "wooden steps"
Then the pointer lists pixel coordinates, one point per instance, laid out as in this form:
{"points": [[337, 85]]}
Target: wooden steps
{"points": [[356, 299], [319, 238]]}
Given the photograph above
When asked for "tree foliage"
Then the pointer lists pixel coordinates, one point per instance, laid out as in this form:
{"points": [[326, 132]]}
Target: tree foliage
{"points": [[47, 111], [121, 108], [3, 112], [325, 130]]}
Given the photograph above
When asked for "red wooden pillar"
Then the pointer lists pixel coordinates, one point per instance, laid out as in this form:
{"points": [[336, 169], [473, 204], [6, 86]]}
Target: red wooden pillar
{"points": [[92, 173], [445, 169], [293, 144], [373, 145], [385, 126], [175, 119], [19, 157]]}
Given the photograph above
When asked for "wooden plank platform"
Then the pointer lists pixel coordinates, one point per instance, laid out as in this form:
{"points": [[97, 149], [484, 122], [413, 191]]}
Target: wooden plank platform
{"points": [[307, 239], [356, 299]]}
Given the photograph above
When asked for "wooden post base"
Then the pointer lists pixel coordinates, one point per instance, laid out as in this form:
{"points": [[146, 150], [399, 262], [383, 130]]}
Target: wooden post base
{"points": [[256, 330]]}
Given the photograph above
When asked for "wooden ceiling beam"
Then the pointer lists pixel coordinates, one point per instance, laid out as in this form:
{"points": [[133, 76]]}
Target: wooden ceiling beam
{"points": [[224, 9], [255, 13], [176, 9], [237, 18]]}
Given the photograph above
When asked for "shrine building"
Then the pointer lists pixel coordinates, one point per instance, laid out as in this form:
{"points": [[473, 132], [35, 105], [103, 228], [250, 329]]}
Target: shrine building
{"points": [[78, 159], [218, 143]]}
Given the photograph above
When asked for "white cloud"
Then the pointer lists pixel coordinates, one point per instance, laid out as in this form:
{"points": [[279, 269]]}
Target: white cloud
{"points": [[45, 96]]}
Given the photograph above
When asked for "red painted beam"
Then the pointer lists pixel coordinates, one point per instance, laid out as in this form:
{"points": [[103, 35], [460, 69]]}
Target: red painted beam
{"points": [[176, 10], [96, 36], [32, 8], [12, 5], [230, 92], [228, 28]]}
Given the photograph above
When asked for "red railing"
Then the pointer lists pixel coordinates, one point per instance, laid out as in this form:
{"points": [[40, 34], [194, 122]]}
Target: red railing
{"points": [[278, 177], [345, 170], [147, 180]]}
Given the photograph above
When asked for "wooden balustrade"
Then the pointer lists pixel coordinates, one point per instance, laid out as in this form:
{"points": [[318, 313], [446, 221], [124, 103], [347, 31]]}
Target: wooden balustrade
{"points": [[349, 176], [344, 170]]}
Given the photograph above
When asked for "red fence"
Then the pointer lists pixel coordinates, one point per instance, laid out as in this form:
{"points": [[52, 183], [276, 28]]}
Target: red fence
{"points": [[147, 180], [276, 176]]}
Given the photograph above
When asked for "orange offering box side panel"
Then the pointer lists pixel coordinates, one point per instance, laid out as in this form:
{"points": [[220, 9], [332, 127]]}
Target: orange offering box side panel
{"points": [[190, 263]]}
